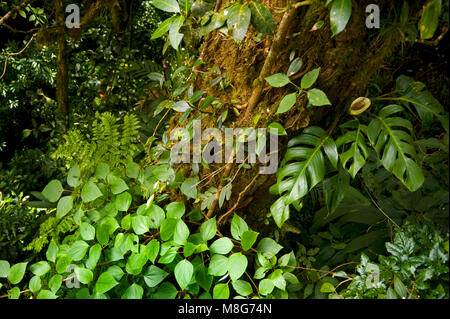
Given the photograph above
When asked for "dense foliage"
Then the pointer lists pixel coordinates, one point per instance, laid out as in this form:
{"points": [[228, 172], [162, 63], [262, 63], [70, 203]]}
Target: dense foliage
{"points": [[93, 205]]}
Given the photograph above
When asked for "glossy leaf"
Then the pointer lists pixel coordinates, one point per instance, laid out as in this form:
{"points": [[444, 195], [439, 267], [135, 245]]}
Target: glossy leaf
{"points": [[340, 13]]}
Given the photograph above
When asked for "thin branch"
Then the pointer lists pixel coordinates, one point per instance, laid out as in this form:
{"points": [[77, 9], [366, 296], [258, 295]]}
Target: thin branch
{"points": [[14, 10], [16, 53], [273, 55], [237, 201]]}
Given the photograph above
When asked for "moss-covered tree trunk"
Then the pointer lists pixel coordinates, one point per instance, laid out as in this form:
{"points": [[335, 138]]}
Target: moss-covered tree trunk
{"points": [[62, 75], [348, 62]]}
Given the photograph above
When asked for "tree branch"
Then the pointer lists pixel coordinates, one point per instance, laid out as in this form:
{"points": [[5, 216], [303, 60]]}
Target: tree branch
{"points": [[13, 10]]}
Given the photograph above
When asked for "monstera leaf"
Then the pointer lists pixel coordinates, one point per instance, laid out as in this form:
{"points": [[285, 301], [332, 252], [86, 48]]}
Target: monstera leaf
{"points": [[425, 103], [395, 147], [355, 148], [302, 168]]}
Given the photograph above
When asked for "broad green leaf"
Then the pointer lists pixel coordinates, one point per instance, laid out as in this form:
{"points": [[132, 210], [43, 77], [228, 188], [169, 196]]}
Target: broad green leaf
{"points": [[73, 176], [287, 102], [62, 264], [327, 287], [184, 271], [340, 13], [52, 251], [426, 104], [248, 238], [46, 294], [355, 150], [269, 247], [102, 170], [168, 255], [116, 272], [218, 19], [55, 283], [189, 187], [261, 18], [14, 293], [117, 184], [306, 166], [166, 5], [237, 264], [310, 78], [154, 275], [400, 288], [221, 291], [242, 287], [280, 211], [102, 234], [395, 147], [334, 189], [208, 229], [278, 279], [276, 128], [163, 173], [317, 97], [294, 67], [53, 191], [168, 228], [16, 273], [181, 233], [40, 268], [430, 19], [185, 5], [105, 282], [163, 27], [221, 246], [132, 170], [156, 215], [4, 268], [218, 265], [123, 201], [65, 204], [238, 21], [140, 224], [35, 284], [181, 106], [238, 227], [166, 291], [90, 192], [87, 231], [94, 255], [278, 80], [265, 286], [84, 275], [175, 210], [152, 250], [174, 36], [135, 291], [78, 250]]}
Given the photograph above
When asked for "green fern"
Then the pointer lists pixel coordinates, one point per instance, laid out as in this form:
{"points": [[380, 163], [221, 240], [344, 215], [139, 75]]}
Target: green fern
{"points": [[110, 142]]}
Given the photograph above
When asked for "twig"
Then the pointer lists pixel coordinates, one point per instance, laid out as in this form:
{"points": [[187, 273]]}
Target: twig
{"points": [[13, 10], [273, 55], [16, 53], [237, 201]]}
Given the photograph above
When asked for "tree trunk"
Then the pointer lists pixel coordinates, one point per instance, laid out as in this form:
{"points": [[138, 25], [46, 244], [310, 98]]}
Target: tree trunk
{"points": [[348, 61], [62, 75]]}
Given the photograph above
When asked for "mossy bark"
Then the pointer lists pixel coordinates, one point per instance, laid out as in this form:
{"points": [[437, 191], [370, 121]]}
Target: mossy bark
{"points": [[62, 74], [348, 62]]}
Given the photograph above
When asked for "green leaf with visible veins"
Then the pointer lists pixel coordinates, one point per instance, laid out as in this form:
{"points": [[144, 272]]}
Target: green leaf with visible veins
{"points": [[239, 20]]}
